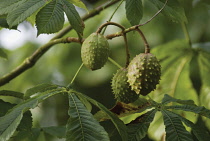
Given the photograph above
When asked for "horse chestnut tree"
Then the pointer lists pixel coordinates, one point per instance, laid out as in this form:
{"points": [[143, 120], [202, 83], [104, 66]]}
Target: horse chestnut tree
{"points": [[92, 87]]}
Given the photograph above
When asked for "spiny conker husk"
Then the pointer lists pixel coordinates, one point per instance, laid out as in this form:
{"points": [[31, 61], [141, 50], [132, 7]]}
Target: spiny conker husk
{"points": [[121, 88], [95, 51], [144, 73]]}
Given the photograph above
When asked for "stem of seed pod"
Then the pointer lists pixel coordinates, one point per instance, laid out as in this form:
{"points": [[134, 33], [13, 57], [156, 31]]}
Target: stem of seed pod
{"points": [[146, 45], [109, 23], [76, 74], [155, 14], [126, 50], [113, 15], [114, 62]]}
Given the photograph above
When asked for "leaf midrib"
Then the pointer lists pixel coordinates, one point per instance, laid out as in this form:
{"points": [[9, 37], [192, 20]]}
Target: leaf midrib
{"points": [[172, 124], [80, 121]]}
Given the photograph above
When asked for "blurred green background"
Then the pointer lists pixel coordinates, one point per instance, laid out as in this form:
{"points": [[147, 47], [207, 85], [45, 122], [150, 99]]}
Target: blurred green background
{"points": [[61, 62]]}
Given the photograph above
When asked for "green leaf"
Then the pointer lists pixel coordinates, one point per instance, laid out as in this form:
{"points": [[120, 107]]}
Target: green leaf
{"points": [[199, 132], [86, 103], [156, 129], [204, 65], [167, 99], [195, 75], [26, 122], [139, 128], [122, 129], [175, 49], [29, 135], [10, 121], [78, 3], [7, 6], [2, 53], [175, 131], [174, 58], [173, 10], [178, 78], [39, 88], [81, 124], [111, 130], [7, 130], [50, 19], [73, 17], [4, 107], [58, 131], [11, 93], [24, 11], [134, 11], [4, 24], [192, 108]]}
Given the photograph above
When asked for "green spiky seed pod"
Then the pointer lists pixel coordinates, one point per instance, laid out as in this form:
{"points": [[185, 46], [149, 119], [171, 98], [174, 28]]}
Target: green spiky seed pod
{"points": [[144, 73], [95, 51], [121, 88]]}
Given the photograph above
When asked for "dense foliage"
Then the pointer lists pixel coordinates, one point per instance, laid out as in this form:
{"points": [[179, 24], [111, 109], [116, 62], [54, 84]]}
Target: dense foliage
{"points": [[46, 93]]}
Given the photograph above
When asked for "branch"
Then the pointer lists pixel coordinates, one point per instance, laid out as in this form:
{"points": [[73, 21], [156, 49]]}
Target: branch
{"points": [[109, 23], [30, 61], [146, 45], [126, 50]]}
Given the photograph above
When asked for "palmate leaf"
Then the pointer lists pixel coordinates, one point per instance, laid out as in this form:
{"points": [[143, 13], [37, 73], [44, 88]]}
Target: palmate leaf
{"points": [[204, 64], [11, 93], [78, 3], [28, 135], [175, 131], [4, 107], [173, 10], [73, 17], [167, 99], [156, 129], [4, 24], [199, 132], [202, 111], [121, 128], [86, 103], [111, 130], [195, 71], [10, 121], [26, 122], [175, 57], [39, 88], [7, 6], [81, 125], [7, 132], [175, 51], [24, 11], [134, 11], [50, 18], [58, 131], [138, 130]]}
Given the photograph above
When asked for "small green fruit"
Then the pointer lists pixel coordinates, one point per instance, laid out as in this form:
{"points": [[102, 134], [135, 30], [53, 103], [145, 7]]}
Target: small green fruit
{"points": [[121, 88], [95, 51], [144, 73]]}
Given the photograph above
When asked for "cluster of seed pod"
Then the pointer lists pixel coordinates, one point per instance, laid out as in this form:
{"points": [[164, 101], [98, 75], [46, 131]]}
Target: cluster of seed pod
{"points": [[139, 78]]}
